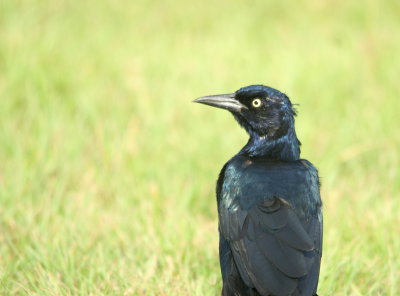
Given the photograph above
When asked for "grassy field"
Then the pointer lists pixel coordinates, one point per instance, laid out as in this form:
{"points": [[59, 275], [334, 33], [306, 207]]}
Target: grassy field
{"points": [[107, 169]]}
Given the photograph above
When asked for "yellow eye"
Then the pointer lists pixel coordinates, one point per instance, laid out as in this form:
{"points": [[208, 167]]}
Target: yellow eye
{"points": [[256, 103]]}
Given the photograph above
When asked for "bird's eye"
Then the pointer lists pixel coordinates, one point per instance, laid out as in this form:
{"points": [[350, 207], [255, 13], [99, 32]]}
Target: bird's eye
{"points": [[256, 103]]}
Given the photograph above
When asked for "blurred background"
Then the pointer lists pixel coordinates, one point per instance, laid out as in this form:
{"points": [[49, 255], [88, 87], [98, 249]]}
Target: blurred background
{"points": [[107, 170]]}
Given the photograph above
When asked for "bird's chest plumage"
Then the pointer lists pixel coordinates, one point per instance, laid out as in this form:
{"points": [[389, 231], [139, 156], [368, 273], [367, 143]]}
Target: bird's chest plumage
{"points": [[248, 181]]}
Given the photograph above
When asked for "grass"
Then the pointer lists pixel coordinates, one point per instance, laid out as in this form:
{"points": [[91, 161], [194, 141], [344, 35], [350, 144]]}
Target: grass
{"points": [[107, 170]]}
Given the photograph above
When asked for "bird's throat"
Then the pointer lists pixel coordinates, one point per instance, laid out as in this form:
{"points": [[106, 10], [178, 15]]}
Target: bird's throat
{"points": [[283, 148]]}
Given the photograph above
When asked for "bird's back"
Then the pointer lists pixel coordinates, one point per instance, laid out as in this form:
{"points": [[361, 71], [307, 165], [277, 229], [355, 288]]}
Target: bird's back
{"points": [[270, 226]]}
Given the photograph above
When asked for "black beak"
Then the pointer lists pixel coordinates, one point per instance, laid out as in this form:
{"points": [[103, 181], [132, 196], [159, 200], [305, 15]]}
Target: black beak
{"points": [[226, 101]]}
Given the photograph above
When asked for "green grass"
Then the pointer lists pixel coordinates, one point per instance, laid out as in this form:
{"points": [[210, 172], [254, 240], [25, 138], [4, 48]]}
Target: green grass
{"points": [[107, 169]]}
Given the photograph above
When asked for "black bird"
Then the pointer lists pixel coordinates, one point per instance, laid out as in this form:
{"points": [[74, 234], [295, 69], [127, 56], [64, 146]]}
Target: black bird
{"points": [[269, 205]]}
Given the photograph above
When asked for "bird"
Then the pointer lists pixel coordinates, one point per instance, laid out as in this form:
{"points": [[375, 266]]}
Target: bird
{"points": [[268, 201]]}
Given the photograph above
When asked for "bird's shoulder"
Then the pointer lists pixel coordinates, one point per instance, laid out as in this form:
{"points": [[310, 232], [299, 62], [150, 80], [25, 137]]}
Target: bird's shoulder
{"points": [[245, 181], [241, 165]]}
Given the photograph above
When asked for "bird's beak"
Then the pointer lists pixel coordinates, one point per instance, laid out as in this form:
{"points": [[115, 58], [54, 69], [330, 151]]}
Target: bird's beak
{"points": [[226, 101]]}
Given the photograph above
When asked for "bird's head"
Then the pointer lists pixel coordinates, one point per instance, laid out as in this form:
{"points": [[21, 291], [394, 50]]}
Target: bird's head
{"points": [[268, 117], [261, 110]]}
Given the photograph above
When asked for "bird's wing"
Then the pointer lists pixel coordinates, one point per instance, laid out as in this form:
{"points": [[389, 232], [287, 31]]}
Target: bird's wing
{"points": [[271, 247]]}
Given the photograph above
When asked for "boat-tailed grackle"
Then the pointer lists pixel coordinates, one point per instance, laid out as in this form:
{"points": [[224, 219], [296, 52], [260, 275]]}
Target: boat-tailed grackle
{"points": [[269, 205]]}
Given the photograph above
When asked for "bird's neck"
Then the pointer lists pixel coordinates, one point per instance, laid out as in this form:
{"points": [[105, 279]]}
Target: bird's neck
{"points": [[284, 148]]}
